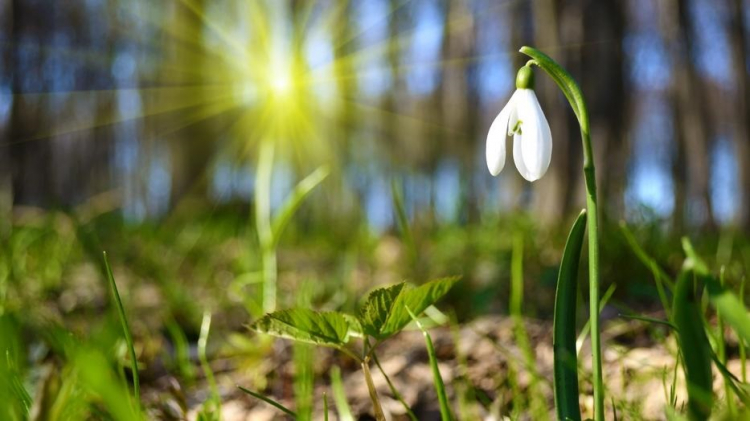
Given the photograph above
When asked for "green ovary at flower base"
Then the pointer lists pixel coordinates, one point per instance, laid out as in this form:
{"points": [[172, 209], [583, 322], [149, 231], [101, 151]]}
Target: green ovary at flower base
{"points": [[523, 119]]}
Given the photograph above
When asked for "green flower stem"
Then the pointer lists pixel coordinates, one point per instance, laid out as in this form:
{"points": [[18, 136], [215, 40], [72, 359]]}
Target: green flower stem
{"points": [[572, 92], [263, 224]]}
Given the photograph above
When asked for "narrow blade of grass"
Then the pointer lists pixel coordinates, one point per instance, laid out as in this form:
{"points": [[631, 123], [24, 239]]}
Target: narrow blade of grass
{"points": [[445, 411], [694, 346], [325, 406], [649, 320], [564, 329], [587, 327], [339, 397], [393, 389], [660, 277], [202, 356], [269, 401], [295, 200], [731, 382], [730, 307], [126, 331], [402, 219], [537, 404]]}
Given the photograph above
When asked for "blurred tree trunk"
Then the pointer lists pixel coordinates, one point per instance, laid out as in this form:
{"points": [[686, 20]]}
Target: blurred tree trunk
{"points": [[191, 149], [691, 167], [80, 160], [390, 101], [671, 34], [30, 157], [741, 126], [604, 85], [551, 192], [347, 119], [6, 81], [571, 36], [460, 100], [436, 136]]}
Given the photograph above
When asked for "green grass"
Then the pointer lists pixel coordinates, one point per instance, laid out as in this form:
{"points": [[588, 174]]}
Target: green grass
{"points": [[55, 319]]}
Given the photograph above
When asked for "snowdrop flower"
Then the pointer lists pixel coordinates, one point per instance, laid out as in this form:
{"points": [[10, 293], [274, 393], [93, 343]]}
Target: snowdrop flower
{"points": [[523, 119]]}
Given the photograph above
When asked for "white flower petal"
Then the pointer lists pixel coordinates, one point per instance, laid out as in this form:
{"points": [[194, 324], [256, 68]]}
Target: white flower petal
{"points": [[495, 152], [518, 140], [536, 149]]}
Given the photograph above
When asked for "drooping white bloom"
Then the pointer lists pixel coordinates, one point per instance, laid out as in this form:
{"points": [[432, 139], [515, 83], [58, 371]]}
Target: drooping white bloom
{"points": [[523, 119]]}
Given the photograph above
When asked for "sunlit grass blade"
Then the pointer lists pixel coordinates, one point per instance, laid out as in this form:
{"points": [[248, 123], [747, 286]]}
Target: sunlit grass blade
{"points": [[269, 401], [202, 356], [303, 380], [295, 200], [126, 331], [325, 406], [445, 411], [694, 346], [564, 326], [339, 396]]}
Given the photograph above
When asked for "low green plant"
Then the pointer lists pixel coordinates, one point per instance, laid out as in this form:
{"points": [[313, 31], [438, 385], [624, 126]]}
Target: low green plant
{"points": [[384, 314]]}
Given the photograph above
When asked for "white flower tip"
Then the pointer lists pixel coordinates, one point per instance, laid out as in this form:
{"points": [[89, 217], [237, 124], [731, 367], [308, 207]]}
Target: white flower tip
{"points": [[495, 168]]}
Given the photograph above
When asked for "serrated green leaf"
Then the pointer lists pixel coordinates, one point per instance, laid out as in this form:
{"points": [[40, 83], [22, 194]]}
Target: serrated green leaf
{"points": [[417, 300], [331, 329], [377, 308]]}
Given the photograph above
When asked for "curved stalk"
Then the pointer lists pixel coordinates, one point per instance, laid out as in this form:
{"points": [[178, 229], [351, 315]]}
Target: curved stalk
{"points": [[572, 92], [263, 224], [379, 415]]}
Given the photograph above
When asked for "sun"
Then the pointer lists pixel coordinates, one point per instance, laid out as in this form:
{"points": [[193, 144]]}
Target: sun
{"points": [[281, 84]]}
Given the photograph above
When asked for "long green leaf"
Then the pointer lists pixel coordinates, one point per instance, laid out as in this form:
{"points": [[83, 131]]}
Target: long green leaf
{"points": [[696, 351], [339, 396], [330, 329], [564, 325]]}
